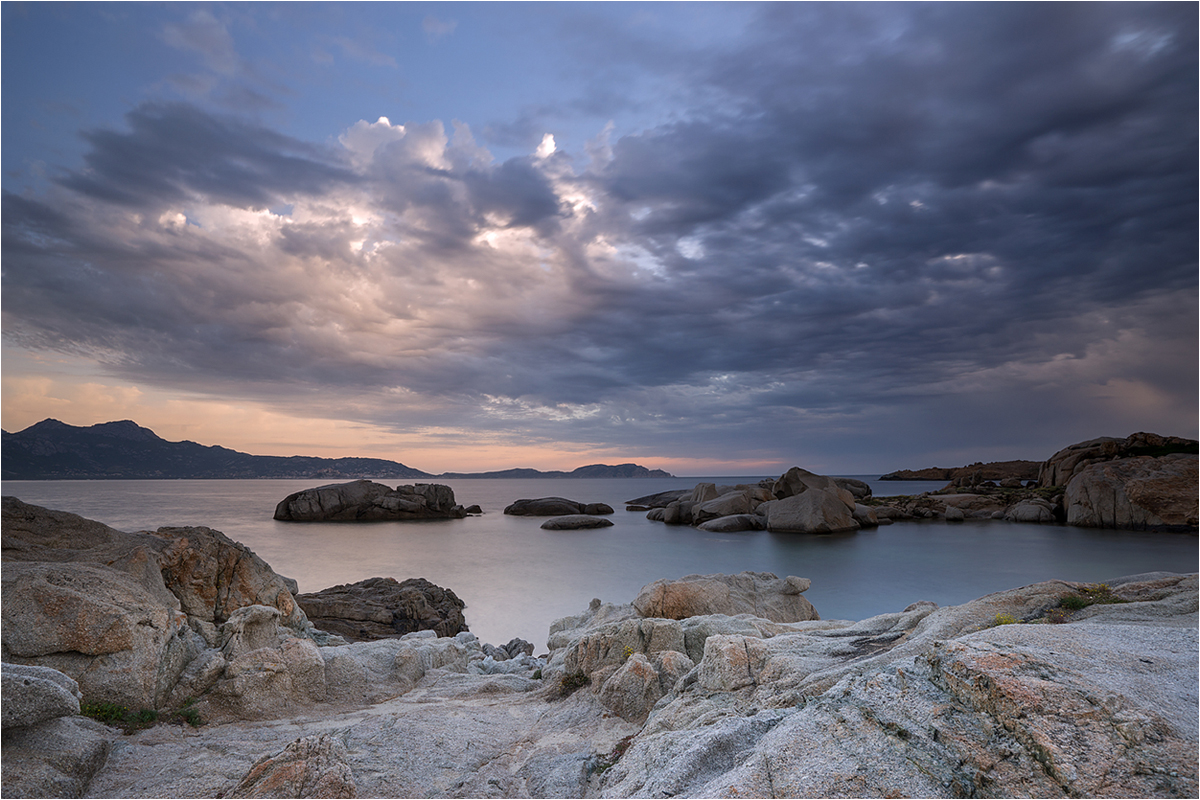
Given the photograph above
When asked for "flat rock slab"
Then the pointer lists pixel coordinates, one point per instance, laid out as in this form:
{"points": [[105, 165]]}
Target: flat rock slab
{"points": [[575, 522]]}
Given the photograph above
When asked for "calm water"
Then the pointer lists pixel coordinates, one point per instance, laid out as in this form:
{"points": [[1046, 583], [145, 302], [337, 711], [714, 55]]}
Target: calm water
{"points": [[516, 578]]}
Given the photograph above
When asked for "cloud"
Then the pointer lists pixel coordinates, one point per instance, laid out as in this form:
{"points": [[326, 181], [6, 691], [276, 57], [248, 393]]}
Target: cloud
{"points": [[204, 34], [918, 228], [437, 29]]}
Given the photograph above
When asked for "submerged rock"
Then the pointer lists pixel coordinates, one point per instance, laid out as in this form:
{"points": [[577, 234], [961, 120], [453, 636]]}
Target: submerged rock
{"points": [[575, 522]]}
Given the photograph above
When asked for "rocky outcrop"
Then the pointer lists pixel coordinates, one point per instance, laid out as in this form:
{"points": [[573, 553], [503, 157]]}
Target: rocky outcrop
{"points": [[972, 474], [555, 507], [384, 608], [937, 702], [760, 594], [575, 522], [1142, 482], [799, 501], [127, 615], [311, 766], [49, 751], [1063, 465], [1141, 493], [366, 501]]}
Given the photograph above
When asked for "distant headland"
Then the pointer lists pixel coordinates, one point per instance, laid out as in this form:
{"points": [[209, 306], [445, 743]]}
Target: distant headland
{"points": [[54, 450]]}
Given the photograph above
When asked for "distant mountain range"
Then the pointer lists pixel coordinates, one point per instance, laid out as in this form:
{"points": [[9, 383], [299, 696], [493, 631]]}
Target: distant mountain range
{"points": [[53, 450]]}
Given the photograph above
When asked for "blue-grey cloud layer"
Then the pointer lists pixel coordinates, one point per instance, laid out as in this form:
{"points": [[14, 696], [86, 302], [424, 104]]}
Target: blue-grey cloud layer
{"points": [[910, 228]]}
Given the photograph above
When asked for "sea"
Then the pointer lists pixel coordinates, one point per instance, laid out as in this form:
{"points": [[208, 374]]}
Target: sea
{"points": [[516, 578]]}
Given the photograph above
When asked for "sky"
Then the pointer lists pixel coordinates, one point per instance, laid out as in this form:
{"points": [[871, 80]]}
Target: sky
{"points": [[716, 239]]}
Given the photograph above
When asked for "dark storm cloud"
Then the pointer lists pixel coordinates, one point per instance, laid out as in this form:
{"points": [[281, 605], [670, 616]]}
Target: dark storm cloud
{"points": [[870, 217], [173, 151]]}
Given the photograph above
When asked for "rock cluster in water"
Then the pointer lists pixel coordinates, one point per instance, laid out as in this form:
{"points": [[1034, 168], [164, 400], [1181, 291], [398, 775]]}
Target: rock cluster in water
{"points": [[366, 501], [799, 501]]}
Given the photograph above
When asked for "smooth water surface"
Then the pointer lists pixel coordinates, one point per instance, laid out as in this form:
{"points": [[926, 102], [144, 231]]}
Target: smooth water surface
{"points": [[517, 578]]}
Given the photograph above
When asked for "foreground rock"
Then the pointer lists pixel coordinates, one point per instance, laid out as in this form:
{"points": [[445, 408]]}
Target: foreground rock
{"points": [[49, 751], [125, 614], [365, 501], [760, 594], [555, 507], [384, 608]]}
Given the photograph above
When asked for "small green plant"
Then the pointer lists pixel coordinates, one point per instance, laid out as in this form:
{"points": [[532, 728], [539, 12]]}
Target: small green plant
{"points": [[1005, 619], [108, 713], [628, 652], [572, 681], [537, 674], [604, 763], [119, 716]]}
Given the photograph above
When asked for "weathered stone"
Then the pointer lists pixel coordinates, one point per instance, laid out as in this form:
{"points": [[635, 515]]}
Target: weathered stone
{"points": [[1034, 510], [36, 694], [762, 594], [659, 500], [366, 501], [1135, 493], [811, 511], [213, 576], [99, 626], [865, 516], [378, 608], [860, 489], [55, 758], [734, 523], [954, 514], [575, 522], [1063, 465], [312, 766], [554, 507]]}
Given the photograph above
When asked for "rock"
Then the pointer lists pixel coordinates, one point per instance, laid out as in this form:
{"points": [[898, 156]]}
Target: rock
{"points": [[473, 509], [1141, 493], [659, 500], [865, 516], [125, 614], [1031, 510], [734, 523], [929, 703], [971, 474], [574, 522], [735, 502], [813, 511], [378, 608], [97, 625], [759, 593], [365, 501], [55, 758], [555, 507], [213, 576], [312, 766], [1063, 465], [954, 514], [36, 694], [860, 489]]}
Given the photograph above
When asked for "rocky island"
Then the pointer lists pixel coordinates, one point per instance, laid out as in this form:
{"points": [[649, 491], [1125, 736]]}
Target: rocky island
{"points": [[176, 663]]}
